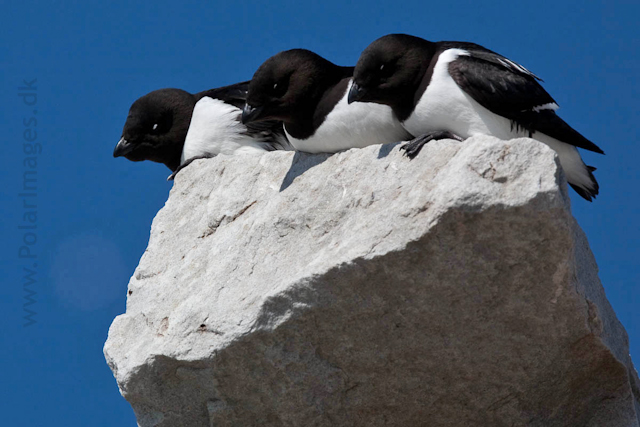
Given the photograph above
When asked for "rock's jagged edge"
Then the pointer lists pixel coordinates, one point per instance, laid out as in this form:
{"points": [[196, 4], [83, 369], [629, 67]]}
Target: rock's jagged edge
{"points": [[366, 289]]}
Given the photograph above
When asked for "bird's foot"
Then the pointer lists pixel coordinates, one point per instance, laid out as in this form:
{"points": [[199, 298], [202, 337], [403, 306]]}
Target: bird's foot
{"points": [[187, 163], [413, 147]]}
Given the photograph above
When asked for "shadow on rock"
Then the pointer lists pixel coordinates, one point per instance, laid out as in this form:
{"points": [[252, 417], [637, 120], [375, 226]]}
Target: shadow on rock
{"points": [[300, 164], [385, 149]]}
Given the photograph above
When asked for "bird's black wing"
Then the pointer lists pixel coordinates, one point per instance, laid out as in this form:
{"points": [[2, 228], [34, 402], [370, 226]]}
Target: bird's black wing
{"points": [[235, 94], [269, 132], [510, 90], [480, 52], [501, 88]]}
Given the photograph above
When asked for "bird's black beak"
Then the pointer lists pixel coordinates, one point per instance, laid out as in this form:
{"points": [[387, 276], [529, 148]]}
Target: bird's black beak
{"points": [[251, 114], [356, 93], [122, 148]]}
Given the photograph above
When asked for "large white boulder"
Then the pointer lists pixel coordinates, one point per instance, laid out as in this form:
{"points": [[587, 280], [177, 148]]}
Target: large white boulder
{"points": [[367, 289]]}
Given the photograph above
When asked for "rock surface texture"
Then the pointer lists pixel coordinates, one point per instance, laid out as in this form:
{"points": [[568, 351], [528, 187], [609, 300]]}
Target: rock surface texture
{"points": [[365, 289]]}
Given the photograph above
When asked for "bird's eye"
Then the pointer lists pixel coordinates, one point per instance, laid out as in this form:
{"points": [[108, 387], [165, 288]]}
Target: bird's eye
{"points": [[385, 71], [155, 126], [280, 88]]}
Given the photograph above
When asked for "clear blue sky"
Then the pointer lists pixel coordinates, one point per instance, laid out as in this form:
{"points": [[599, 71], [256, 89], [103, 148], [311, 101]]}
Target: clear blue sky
{"points": [[93, 59]]}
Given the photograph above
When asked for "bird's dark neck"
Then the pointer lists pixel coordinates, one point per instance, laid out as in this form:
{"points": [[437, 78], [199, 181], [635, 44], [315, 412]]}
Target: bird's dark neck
{"points": [[409, 95], [312, 110], [173, 164], [235, 94], [170, 156]]}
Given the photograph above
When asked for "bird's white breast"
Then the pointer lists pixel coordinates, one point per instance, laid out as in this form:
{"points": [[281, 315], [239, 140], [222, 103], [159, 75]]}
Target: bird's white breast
{"points": [[353, 125], [215, 128], [444, 106]]}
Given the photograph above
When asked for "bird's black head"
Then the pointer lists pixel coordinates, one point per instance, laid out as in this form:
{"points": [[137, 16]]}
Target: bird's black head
{"points": [[287, 85], [390, 69], [156, 127]]}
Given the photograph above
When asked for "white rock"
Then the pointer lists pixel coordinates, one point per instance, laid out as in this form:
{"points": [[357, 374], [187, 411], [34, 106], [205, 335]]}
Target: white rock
{"points": [[365, 289]]}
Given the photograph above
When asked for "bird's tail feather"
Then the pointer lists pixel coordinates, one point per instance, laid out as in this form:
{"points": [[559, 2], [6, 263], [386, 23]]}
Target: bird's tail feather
{"points": [[587, 193]]}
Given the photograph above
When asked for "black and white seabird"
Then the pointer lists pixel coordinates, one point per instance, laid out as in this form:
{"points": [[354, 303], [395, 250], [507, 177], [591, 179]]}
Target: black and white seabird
{"points": [[309, 94], [458, 89], [175, 127]]}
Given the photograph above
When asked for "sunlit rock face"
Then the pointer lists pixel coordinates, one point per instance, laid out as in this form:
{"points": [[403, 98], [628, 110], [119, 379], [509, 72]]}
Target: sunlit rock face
{"points": [[367, 289]]}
